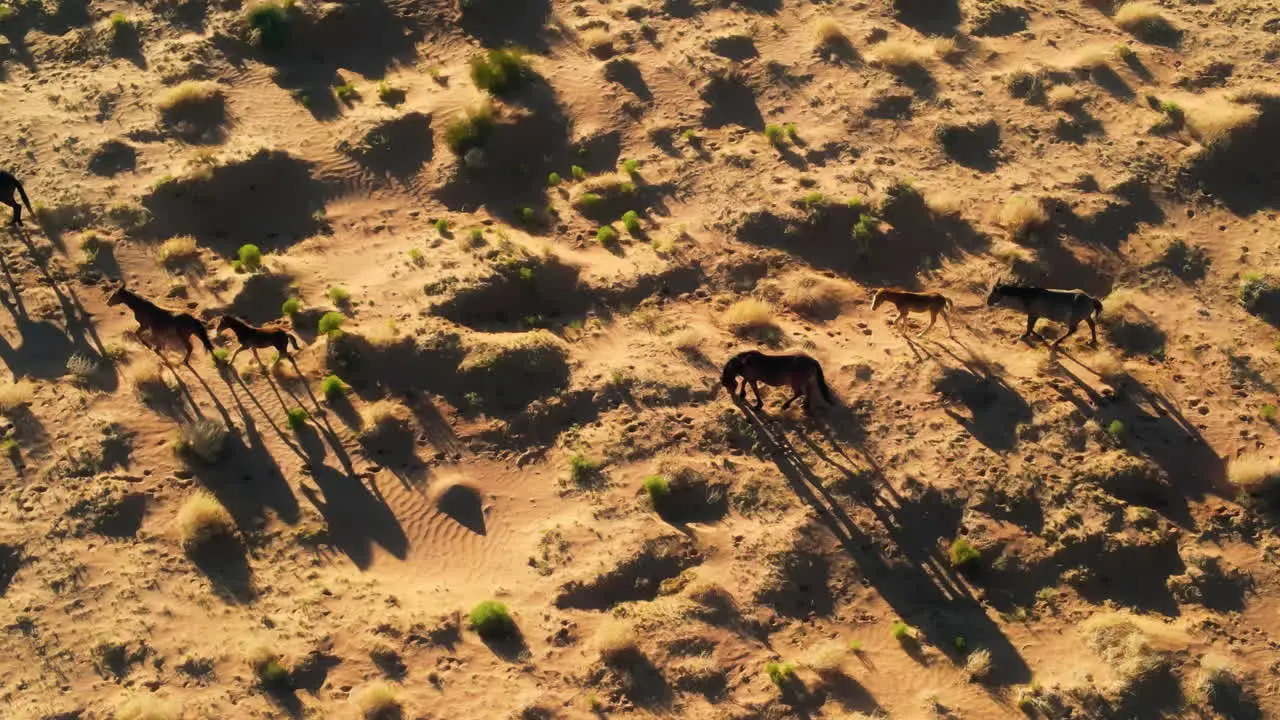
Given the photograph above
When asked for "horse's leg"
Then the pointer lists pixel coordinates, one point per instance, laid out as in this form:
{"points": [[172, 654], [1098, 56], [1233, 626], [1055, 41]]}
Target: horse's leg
{"points": [[755, 387], [933, 318], [947, 316], [234, 354], [186, 342], [17, 211], [798, 389], [1093, 328], [1071, 329], [1031, 327]]}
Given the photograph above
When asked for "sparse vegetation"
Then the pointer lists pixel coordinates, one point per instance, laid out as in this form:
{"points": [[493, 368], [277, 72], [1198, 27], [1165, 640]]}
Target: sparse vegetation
{"points": [[606, 235], [266, 666], [1256, 476], [500, 71], [390, 94], [901, 55], [203, 438], [1064, 97], [1253, 287], [269, 22], [1268, 412], [250, 258], [631, 221], [331, 324], [617, 643], [578, 173], [177, 252], [378, 701], [190, 97], [900, 631], [15, 396], [1145, 21], [471, 130], [780, 673], [963, 554], [148, 707], [583, 471], [774, 134], [290, 307], [977, 666], [297, 418], [346, 92], [657, 488], [1021, 216], [630, 166], [829, 35], [383, 419], [1123, 644], [203, 520], [333, 388], [748, 316], [553, 179], [491, 620]]}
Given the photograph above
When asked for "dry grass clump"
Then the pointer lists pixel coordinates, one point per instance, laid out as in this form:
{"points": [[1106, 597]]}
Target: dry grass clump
{"points": [[1123, 644], [1256, 475], [826, 658], [378, 701], [1211, 119], [382, 419], [598, 41], [901, 54], [814, 297], [203, 438], [978, 665], [202, 520], [1145, 21], [829, 34], [1022, 215], [149, 384], [945, 204], [1063, 97], [147, 707], [15, 395], [616, 642], [1090, 58], [688, 340], [1108, 367], [192, 96], [749, 315], [178, 251]]}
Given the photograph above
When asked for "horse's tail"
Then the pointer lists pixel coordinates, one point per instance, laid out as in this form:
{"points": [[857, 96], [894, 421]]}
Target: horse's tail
{"points": [[23, 194], [1097, 308], [822, 384], [946, 302]]}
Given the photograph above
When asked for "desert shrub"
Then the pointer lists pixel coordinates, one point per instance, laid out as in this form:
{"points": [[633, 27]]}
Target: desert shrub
{"points": [[963, 554], [383, 419], [1145, 21], [813, 297], [900, 631], [1063, 97], [389, 94], [332, 387], [500, 71], [250, 257], [1268, 412], [203, 438], [331, 323], [149, 384], [177, 252], [1026, 84], [378, 701], [606, 235], [1116, 429], [266, 666], [828, 34], [442, 226], [577, 172], [190, 97], [290, 307], [491, 619], [774, 134], [269, 23], [901, 55], [471, 130], [598, 42], [826, 658], [346, 92], [202, 520], [1214, 119], [630, 166], [1256, 476], [977, 666], [748, 316], [583, 471], [780, 673], [296, 417], [128, 217], [1187, 261], [631, 221], [616, 642], [81, 367], [657, 488], [553, 179], [15, 396], [1119, 640], [1022, 215]]}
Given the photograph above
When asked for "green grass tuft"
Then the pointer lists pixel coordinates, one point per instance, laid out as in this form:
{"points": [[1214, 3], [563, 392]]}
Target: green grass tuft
{"points": [[657, 487], [900, 631], [1116, 429], [331, 323], [297, 418], [963, 553], [346, 93], [250, 258], [1268, 412], [500, 71], [338, 295], [221, 355], [469, 131], [578, 173], [553, 179], [774, 134], [582, 469], [442, 226], [631, 166], [780, 673], [290, 307], [491, 619], [332, 387], [631, 221], [606, 235], [270, 24]]}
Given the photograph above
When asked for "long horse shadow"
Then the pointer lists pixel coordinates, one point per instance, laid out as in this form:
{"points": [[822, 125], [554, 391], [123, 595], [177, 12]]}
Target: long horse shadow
{"points": [[919, 588], [357, 519]]}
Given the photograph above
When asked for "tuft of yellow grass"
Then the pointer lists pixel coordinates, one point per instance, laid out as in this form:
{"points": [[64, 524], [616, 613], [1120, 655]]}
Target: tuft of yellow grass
{"points": [[599, 41], [1123, 643], [687, 340], [189, 96], [616, 641], [1254, 474], [149, 384], [827, 33], [179, 250], [826, 658], [1108, 367], [810, 296], [1142, 19], [749, 315], [203, 519], [377, 701], [147, 707], [383, 417], [978, 665], [944, 203], [1021, 215], [1210, 119], [15, 395], [1090, 57], [1063, 97], [901, 54]]}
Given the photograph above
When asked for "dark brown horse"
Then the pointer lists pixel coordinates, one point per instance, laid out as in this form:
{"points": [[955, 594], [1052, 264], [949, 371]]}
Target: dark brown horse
{"points": [[10, 191], [161, 324], [252, 337], [800, 372]]}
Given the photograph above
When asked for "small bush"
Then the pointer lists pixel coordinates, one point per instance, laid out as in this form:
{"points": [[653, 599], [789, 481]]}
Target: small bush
{"points": [[332, 387], [977, 667], [290, 307], [250, 257], [331, 323], [774, 134], [442, 226], [346, 92], [491, 619], [657, 487], [749, 315], [901, 55], [598, 42], [829, 34], [1064, 97], [148, 707], [297, 418], [187, 98], [471, 130], [15, 396], [553, 179], [269, 22], [1021, 215], [499, 71], [383, 419], [1145, 21], [1268, 412], [963, 553], [389, 94], [266, 666], [780, 674], [606, 235], [1256, 476], [177, 252], [1116, 429], [582, 470], [578, 173], [631, 166], [203, 438], [631, 221], [338, 295], [900, 631], [81, 367], [201, 520], [617, 643]]}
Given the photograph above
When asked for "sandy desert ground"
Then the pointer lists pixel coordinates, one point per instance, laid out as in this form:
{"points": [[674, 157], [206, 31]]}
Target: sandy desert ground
{"points": [[515, 276]]}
